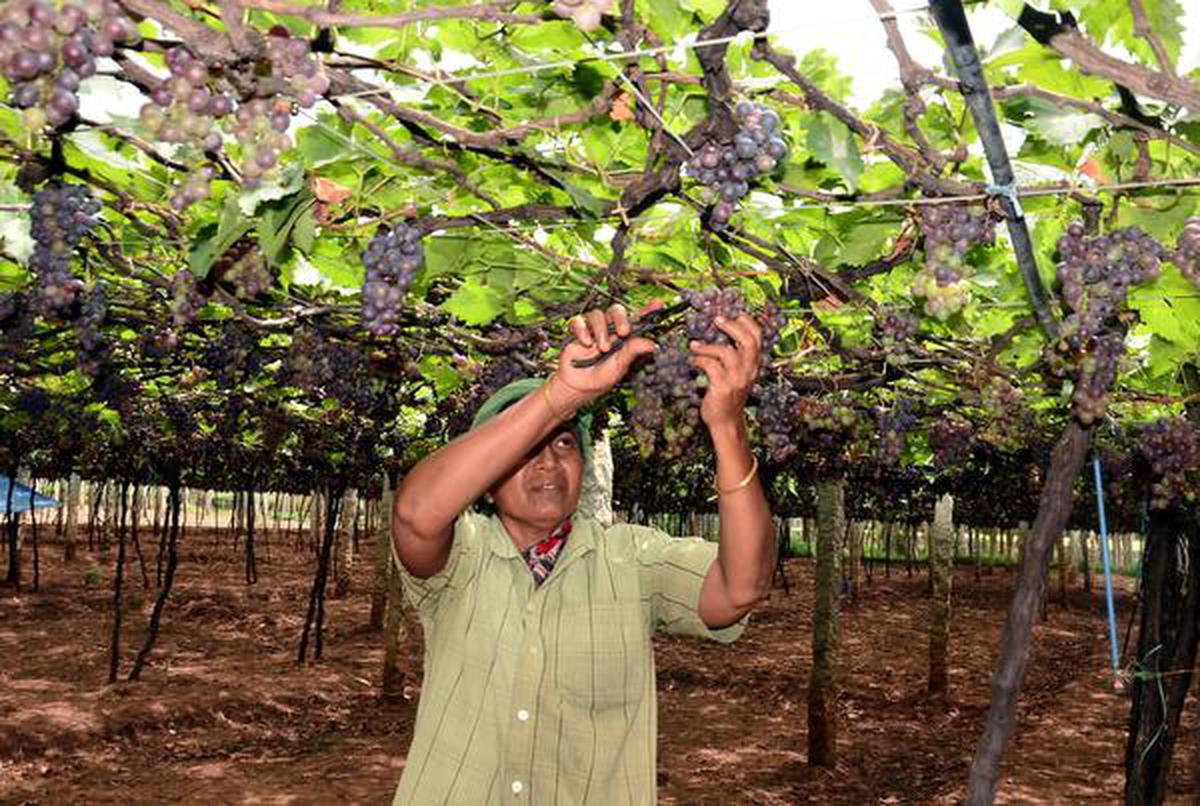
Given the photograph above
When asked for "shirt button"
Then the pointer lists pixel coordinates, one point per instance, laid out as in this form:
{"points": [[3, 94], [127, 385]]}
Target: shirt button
{"points": [[532, 650], [517, 786], [523, 715], [529, 607]]}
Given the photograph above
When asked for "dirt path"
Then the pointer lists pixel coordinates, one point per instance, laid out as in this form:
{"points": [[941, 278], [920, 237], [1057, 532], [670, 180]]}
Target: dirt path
{"points": [[224, 715]]}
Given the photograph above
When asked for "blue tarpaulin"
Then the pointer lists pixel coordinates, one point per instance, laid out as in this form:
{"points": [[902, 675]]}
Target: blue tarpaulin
{"points": [[23, 498]]}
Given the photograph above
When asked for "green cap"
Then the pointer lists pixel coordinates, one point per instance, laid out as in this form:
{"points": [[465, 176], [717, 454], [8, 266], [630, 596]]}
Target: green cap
{"points": [[505, 396]]}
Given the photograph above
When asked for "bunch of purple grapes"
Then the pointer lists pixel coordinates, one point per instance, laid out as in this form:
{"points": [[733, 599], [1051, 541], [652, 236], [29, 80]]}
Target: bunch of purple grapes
{"points": [[1009, 420], [247, 271], [668, 401], [46, 52], [11, 304], [952, 439], [893, 425], [772, 321], [391, 260], [186, 298], [292, 61], [709, 305], [192, 105], [728, 168], [59, 218], [93, 347], [776, 417], [493, 376], [895, 328], [186, 108], [1171, 446], [234, 357], [669, 389], [1096, 274], [1187, 251], [329, 369], [950, 231]]}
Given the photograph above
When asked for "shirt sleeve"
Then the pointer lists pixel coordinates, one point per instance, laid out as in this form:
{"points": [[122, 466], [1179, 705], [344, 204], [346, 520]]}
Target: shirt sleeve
{"points": [[425, 594], [672, 571]]}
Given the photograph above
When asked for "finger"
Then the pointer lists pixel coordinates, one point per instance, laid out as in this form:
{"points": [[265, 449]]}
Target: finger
{"points": [[713, 369], [632, 351], [724, 353], [598, 323], [744, 331], [747, 340], [580, 330], [620, 319]]}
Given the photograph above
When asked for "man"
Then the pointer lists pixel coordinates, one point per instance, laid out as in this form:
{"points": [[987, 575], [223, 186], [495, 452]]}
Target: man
{"points": [[539, 669]]}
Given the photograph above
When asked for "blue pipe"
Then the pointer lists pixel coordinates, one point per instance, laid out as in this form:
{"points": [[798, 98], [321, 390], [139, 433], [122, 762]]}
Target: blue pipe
{"points": [[1108, 584]]}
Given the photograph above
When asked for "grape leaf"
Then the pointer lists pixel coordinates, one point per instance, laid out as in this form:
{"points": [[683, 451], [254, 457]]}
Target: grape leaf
{"points": [[831, 142], [474, 303], [1170, 308]]}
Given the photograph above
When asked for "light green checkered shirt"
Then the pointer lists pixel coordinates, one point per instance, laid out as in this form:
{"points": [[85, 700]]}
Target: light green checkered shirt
{"points": [[547, 695]]}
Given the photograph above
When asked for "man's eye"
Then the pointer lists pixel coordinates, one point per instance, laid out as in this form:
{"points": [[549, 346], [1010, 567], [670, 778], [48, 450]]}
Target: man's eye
{"points": [[566, 441]]}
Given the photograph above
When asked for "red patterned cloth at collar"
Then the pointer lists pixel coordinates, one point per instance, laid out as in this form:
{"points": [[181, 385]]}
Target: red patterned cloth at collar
{"points": [[541, 557]]}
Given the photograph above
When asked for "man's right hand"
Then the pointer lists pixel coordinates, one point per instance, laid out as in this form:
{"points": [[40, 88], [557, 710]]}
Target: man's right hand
{"points": [[593, 337]]}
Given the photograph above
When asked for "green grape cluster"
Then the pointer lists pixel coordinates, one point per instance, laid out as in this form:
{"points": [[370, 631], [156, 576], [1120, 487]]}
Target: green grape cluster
{"points": [[950, 231]]}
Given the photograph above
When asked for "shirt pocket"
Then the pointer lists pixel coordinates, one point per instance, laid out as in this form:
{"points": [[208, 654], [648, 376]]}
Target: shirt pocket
{"points": [[603, 654]]}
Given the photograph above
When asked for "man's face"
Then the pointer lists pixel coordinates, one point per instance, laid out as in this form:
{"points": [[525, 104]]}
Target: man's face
{"points": [[544, 489]]}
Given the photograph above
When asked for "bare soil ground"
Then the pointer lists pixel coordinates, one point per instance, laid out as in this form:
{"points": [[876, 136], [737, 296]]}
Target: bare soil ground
{"points": [[224, 715]]}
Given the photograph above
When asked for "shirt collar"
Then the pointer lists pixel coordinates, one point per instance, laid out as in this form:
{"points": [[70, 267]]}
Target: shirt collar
{"points": [[581, 541]]}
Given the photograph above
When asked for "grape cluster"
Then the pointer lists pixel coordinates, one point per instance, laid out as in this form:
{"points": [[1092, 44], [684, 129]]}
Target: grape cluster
{"points": [[1009, 420], [391, 260], [728, 304], [585, 13], [950, 231], [292, 61], [59, 218], [668, 401], [186, 298], [1171, 447], [329, 369], [34, 401], [194, 104], [45, 53], [491, 377], [895, 328], [1095, 274], [234, 357], [1187, 251], [245, 267], [709, 305], [10, 305], [772, 321], [93, 347], [776, 417], [893, 425], [728, 168], [951, 438]]}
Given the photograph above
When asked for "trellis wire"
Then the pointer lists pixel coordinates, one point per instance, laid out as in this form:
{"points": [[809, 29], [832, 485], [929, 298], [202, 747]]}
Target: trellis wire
{"points": [[537, 67]]}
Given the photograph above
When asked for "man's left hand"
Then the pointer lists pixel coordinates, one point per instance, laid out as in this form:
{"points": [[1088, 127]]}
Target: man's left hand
{"points": [[731, 370]]}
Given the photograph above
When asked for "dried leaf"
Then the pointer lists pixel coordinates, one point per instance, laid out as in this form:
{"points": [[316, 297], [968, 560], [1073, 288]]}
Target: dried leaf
{"points": [[621, 112], [330, 192]]}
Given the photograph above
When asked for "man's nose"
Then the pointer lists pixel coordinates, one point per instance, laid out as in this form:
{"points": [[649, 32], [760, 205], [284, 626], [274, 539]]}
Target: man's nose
{"points": [[545, 457]]}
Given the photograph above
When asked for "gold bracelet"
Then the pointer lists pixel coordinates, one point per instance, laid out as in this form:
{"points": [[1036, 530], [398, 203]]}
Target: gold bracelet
{"points": [[549, 403], [744, 482]]}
